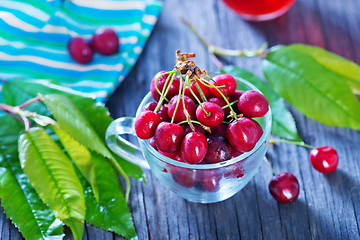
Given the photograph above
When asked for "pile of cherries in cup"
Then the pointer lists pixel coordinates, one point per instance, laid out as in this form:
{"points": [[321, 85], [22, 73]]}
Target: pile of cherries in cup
{"points": [[201, 120], [104, 41]]}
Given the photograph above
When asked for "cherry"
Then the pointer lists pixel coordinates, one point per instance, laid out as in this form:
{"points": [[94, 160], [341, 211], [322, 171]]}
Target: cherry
{"points": [[243, 134], [80, 50], [228, 84], [193, 147], [209, 180], [324, 159], [175, 156], [186, 177], [174, 87], [193, 87], [222, 103], [253, 104], [180, 115], [215, 117], [197, 128], [153, 143], [162, 113], [284, 187], [219, 149], [235, 153], [219, 130], [168, 136], [105, 41], [146, 123], [235, 97]]}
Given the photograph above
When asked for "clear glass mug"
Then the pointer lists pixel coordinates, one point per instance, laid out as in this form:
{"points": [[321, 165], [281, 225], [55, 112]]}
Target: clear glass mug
{"points": [[202, 183]]}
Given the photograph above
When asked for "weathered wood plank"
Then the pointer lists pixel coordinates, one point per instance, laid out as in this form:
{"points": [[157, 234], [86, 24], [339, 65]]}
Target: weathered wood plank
{"points": [[328, 206]]}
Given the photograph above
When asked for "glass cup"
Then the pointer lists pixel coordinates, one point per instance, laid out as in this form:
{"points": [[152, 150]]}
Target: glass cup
{"points": [[202, 183], [259, 10]]}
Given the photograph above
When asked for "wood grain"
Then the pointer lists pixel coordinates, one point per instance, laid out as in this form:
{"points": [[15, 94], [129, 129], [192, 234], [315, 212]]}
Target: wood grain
{"points": [[328, 206]]}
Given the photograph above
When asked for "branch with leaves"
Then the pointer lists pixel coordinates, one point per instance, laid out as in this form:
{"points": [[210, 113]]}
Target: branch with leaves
{"points": [[71, 175]]}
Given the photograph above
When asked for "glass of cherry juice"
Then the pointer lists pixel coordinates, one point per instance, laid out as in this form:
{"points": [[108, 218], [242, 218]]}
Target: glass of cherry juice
{"points": [[202, 183], [259, 10]]}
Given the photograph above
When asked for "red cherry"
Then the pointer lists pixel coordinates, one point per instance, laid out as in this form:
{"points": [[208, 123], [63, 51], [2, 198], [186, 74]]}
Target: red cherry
{"points": [[203, 88], [236, 96], [180, 115], [175, 156], [146, 123], [219, 130], [152, 143], [209, 180], [227, 81], [105, 41], [173, 90], [197, 127], [253, 104], [222, 103], [193, 147], [162, 113], [219, 149], [186, 177], [324, 159], [168, 136], [284, 187], [235, 153], [80, 50], [215, 117], [243, 134]]}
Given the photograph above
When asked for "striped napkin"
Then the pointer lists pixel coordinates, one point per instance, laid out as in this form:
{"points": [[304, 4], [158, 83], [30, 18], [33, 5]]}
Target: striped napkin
{"points": [[34, 36]]}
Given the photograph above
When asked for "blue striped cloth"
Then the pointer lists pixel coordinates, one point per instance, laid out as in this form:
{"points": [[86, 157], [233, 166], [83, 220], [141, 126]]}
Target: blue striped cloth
{"points": [[34, 36]]}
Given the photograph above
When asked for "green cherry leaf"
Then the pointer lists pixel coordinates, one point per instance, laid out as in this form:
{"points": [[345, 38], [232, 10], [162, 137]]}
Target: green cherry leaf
{"points": [[283, 123], [53, 176], [313, 89], [16, 92], [35, 220], [81, 157], [348, 70], [110, 212]]}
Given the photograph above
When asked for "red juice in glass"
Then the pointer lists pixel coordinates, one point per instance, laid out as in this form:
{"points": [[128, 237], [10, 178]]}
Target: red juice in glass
{"points": [[259, 10]]}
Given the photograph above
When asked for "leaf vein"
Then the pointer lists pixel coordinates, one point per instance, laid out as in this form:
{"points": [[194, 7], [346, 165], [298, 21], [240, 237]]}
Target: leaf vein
{"points": [[51, 175], [326, 96]]}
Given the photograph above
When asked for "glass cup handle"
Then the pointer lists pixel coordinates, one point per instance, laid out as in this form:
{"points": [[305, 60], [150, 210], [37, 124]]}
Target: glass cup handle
{"points": [[121, 146]]}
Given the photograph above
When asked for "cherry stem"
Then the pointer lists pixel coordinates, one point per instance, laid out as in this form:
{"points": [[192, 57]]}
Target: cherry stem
{"points": [[157, 79], [184, 108], [197, 99], [225, 98], [273, 140], [232, 103], [164, 92], [202, 95], [14, 112], [179, 97], [268, 163], [223, 51], [30, 101], [193, 121]]}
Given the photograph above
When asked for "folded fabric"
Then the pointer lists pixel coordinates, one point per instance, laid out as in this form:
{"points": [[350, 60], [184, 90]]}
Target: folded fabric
{"points": [[34, 36]]}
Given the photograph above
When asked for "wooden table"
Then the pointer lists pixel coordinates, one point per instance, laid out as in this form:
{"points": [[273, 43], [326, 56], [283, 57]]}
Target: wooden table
{"points": [[328, 206]]}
